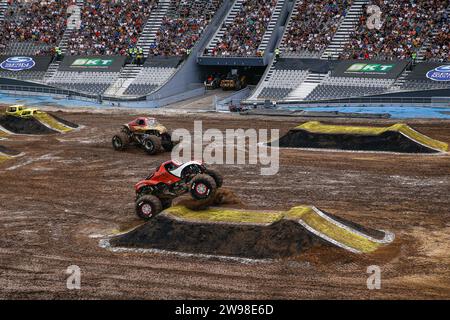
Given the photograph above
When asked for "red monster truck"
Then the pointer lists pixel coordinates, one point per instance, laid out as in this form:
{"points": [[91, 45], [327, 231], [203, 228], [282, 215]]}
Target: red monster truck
{"points": [[145, 132], [171, 180]]}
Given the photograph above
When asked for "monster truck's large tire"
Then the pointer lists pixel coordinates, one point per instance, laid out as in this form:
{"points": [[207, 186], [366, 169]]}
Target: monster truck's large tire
{"points": [[202, 187], [168, 146], [120, 141], [166, 203], [218, 178], [152, 145], [148, 207]]}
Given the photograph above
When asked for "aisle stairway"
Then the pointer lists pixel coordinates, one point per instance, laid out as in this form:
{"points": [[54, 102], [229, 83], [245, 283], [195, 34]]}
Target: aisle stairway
{"points": [[345, 30], [306, 87], [152, 26]]}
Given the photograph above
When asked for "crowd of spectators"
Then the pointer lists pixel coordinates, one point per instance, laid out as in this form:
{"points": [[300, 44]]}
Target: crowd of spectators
{"points": [[244, 34], [439, 49], [312, 28], [110, 27], [407, 24], [40, 22], [181, 29]]}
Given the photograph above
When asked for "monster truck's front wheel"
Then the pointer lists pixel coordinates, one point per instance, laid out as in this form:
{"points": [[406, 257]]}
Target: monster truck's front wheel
{"points": [[152, 145], [218, 178], [168, 146], [148, 207], [166, 203], [120, 141], [202, 187]]}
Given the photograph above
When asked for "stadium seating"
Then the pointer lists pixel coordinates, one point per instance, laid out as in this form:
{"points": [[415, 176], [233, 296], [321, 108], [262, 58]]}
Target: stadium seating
{"points": [[149, 79], [89, 82], [24, 75], [246, 30], [312, 26], [109, 27], [183, 26], [346, 87], [423, 85], [33, 26], [281, 83], [407, 25]]}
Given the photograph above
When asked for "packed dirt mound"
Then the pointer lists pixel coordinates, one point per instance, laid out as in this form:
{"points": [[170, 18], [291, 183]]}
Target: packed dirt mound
{"points": [[397, 138], [7, 151], [278, 240], [24, 125], [250, 234], [52, 122], [223, 198]]}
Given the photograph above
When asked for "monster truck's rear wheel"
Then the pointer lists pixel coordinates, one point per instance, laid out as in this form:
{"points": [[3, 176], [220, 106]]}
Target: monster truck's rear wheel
{"points": [[152, 145], [202, 187], [148, 207], [120, 141], [218, 178]]}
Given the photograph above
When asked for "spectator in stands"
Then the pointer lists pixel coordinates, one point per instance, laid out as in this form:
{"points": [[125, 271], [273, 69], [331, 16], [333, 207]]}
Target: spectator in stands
{"points": [[314, 25], [406, 27], [180, 31], [110, 27], [39, 22], [243, 36]]}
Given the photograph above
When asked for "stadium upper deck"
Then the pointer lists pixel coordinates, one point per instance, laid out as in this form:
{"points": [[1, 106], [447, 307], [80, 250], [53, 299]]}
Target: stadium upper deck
{"points": [[171, 28]]}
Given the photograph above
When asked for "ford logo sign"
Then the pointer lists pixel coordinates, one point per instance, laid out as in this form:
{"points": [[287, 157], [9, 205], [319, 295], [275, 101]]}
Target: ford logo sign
{"points": [[441, 73], [18, 63]]}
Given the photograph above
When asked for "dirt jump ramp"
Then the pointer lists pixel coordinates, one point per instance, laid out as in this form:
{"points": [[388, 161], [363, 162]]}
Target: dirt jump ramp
{"points": [[397, 138], [53, 122], [250, 234], [40, 123]]}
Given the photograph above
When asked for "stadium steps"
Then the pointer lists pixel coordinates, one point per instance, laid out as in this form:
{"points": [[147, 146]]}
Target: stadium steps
{"points": [[51, 71], [126, 78], [63, 45], [399, 83], [264, 83], [152, 26], [272, 26], [345, 30], [301, 92], [235, 9], [3, 8]]}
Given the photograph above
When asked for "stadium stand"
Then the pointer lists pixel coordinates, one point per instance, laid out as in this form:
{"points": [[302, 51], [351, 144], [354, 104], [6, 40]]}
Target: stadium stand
{"points": [[24, 75], [246, 30], [33, 27], [183, 26], [152, 76], [406, 26], [312, 26], [149, 79], [438, 46], [279, 83], [87, 82], [109, 27], [342, 87]]}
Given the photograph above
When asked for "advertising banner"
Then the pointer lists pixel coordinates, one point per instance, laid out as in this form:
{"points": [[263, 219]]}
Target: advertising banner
{"points": [[370, 69], [92, 63], [24, 63], [436, 72]]}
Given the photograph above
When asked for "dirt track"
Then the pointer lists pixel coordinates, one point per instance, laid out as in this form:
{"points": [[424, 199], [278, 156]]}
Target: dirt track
{"points": [[70, 188]]}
